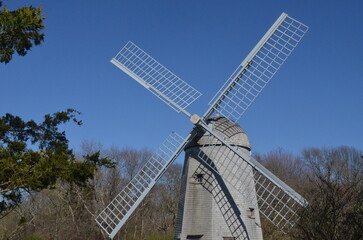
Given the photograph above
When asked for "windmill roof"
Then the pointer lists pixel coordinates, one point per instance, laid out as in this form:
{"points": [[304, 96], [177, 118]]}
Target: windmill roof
{"points": [[225, 128]]}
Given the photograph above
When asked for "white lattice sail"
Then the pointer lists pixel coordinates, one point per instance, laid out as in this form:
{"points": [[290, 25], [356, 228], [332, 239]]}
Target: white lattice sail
{"points": [[123, 205], [155, 77], [257, 69]]}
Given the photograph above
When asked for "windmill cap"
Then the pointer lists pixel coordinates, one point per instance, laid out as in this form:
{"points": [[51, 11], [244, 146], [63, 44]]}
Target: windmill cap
{"points": [[230, 131]]}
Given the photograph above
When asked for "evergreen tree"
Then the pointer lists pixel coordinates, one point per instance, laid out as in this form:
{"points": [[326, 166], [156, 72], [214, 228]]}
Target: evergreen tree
{"points": [[20, 30]]}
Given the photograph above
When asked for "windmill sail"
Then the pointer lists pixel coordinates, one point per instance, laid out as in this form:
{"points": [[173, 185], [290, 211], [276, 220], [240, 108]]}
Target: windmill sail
{"points": [[124, 204], [257, 69], [155, 77]]}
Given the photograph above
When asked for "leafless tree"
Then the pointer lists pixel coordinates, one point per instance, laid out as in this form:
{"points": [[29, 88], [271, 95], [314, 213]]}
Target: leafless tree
{"points": [[331, 179], [335, 191]]}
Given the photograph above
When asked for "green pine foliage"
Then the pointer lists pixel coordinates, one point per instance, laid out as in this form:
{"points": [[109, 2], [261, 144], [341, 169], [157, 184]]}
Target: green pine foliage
{"points": [[20, 30], [34, 156]]}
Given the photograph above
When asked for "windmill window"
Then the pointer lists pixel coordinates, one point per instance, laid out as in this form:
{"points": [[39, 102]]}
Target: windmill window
{"points": [[195, 237], [251, 213], [199, 177]]}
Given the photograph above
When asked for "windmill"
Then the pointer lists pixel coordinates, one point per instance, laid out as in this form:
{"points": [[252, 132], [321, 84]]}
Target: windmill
{"points": [[217, 147]]}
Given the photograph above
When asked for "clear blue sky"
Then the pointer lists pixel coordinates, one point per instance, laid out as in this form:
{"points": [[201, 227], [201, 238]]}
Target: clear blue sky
{"points": [[316, 99]]}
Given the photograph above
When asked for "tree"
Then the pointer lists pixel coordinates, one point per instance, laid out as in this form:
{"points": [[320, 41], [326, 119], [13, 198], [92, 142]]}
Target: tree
{"points": [[285, 165], [20, 30], [34, 156], [331, 180], [334, 190], [166, 199]]}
